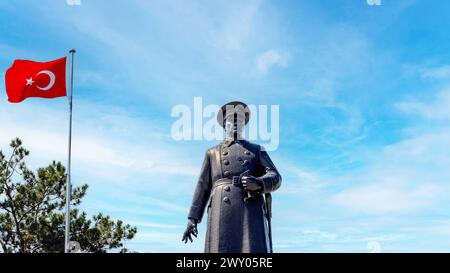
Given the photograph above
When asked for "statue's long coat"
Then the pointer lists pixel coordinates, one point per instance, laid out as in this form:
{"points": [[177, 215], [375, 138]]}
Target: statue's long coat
{"points": [[234, 225]]}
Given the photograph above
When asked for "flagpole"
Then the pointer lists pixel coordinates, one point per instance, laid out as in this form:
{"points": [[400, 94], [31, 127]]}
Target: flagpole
{"points": [[68, 184]]}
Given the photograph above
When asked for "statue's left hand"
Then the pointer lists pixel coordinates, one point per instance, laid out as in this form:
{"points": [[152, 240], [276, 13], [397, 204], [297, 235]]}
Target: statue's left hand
{"points": [[252, 183]]}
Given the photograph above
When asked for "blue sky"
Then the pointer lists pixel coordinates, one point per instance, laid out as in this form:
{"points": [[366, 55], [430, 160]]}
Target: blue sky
{"points": [[364, 95]]}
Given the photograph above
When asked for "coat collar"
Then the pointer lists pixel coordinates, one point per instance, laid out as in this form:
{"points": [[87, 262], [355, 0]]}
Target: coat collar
{"points": [[228, 142]]}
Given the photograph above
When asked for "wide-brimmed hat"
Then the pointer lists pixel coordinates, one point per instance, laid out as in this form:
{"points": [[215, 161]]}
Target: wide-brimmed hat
{"points": [[232, 108]]}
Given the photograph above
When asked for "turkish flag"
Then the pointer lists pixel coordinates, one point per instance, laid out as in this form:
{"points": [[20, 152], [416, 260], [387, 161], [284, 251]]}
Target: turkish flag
{"points": [[26, 79]]}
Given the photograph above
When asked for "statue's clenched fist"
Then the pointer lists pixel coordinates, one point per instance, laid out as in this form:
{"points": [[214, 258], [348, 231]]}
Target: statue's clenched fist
{"points": [[252, 183]]}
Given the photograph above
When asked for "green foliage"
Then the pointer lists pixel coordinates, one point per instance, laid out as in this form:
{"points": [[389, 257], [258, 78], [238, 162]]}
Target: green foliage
{"points": [[32, 210]]}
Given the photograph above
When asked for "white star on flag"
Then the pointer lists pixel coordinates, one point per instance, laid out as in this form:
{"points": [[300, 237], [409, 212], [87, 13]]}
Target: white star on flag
{"points": [[30, 81]]}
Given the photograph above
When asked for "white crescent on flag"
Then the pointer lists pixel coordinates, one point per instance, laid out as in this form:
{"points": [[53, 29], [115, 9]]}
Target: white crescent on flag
{"points": [[52, 80]]}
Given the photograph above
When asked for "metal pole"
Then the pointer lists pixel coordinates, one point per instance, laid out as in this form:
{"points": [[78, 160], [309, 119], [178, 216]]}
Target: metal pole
{"points": [[68, 184]]}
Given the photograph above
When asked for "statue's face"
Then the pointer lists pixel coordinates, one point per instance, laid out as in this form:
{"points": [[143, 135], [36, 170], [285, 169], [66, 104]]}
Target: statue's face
{"points": [[234, 125]]}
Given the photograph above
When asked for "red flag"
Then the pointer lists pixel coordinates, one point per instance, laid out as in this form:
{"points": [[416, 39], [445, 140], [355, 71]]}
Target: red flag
{"points": [[26, 79]]}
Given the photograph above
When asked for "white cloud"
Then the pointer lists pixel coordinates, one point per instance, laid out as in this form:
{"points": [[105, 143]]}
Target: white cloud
{"points": [[163, 242], [148, 224], [319, 235], [236, 26], [18, 53], [301, 180], [97, 141], [440, 72], [385, 198], [441, 227], [124, 208], [438, 108], [266, 60], [410, 175], [405, 177]]}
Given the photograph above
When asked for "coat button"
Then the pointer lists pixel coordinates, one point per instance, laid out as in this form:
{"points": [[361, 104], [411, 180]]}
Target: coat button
{"points": [[226, 162], [226, 199], [247, 152], [225, 153], [227, 188], [226, 173]]}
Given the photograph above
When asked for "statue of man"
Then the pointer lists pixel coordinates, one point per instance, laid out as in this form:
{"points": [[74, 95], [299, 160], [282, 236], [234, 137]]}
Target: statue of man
{"points": [[234, 186]]}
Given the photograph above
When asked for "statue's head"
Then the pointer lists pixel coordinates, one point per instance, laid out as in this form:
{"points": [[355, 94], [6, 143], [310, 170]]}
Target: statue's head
{"points": [[233, 116]]}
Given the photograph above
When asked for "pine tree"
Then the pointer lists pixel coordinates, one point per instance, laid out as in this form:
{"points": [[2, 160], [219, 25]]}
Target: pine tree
{"points": [[32, 210]]}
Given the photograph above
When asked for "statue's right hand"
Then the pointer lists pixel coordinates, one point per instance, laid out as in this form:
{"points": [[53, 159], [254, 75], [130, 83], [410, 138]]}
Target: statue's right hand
{"points": [[191, 229]]}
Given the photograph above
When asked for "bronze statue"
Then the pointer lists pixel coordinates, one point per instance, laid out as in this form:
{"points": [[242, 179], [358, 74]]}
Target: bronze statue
{"points": [[234, 187]]}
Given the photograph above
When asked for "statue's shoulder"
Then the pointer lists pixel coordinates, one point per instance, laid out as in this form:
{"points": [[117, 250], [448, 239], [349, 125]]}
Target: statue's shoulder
{"points": [[252, 146], [213, 149]]}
